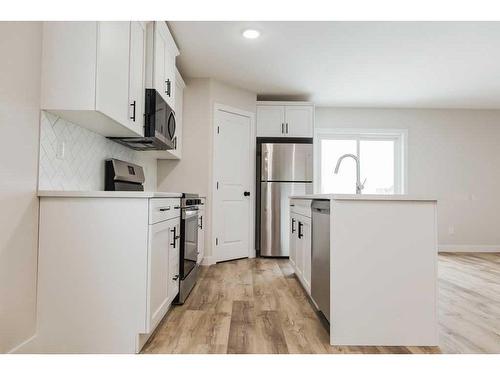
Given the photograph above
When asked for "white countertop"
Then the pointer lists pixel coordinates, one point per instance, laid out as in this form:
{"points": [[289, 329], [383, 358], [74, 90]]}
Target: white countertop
{"points": [[107, 194], [365, 197]]}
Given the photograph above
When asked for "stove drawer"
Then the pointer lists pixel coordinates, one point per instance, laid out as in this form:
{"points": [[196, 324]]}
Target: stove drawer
{"points": [[161, 209]]}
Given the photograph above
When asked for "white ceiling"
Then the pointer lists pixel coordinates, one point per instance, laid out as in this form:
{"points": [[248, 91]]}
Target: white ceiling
{"points": [[369, 64]]}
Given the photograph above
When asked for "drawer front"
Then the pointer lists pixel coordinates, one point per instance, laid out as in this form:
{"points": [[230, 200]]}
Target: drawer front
{"points": [[161, 209], [301, 207]]}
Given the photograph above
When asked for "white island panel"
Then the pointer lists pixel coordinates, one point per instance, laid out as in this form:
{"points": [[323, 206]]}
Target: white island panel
{"points": [[383, 272]]}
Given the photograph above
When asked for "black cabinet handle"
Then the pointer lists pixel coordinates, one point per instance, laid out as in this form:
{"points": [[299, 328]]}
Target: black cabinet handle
{"points": [[293, 225], [175, 278], [282, 128], [246, 193], [286, 128], [300, 234], [169, 86], [174, 231], [201, 222], [164, 209], [133, 111]]}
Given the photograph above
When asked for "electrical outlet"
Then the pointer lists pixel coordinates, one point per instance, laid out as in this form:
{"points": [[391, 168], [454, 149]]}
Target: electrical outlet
{"points": [[451, 230], [61, 146]]}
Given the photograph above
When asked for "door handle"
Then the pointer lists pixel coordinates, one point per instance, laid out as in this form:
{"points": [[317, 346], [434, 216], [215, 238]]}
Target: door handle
{"points": [[300, 234], [293, 225], [175, 278], [282, 128], [286, 128], [246, 193]]}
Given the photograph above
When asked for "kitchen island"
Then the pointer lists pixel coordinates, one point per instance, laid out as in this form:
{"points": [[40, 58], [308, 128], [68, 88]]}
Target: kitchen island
{"points": [[382, 266]]}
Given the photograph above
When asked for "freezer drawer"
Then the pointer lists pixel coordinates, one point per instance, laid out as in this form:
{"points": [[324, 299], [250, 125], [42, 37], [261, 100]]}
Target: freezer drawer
{"points": [[275, 215], [287, 162]]}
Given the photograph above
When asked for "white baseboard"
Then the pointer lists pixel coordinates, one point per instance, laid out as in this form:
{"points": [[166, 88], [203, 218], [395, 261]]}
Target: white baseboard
{"points": [[468, 249], [208, 261]]}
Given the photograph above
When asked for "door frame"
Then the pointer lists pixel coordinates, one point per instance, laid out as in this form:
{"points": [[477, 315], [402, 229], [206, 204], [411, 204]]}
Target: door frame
{"points": [[251, 176]]}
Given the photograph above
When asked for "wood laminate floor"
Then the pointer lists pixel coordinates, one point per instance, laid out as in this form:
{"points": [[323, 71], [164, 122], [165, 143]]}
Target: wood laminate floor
{"points": [[258, 306]]}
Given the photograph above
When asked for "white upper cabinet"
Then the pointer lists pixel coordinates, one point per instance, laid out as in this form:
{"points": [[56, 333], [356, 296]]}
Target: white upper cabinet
{"points": [[285, 119], [164, 52], [176, 153], [299, 121], [113, 46], [92, 72], [270, 121], [137, 75]]}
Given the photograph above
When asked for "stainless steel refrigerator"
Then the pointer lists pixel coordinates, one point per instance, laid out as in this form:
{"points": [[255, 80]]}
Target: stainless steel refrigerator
{"points": [[284, 169]]}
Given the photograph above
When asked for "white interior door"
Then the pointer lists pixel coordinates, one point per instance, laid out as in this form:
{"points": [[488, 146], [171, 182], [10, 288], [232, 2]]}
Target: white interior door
{"points": [[233, 174]]}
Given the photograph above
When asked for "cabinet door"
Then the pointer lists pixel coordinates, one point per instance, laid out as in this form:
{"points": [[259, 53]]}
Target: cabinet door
{"points": [[159, 62], [293, 237], [158, 267], [299, 256], [164, 64], [170, 75], [299, 121], [113, 47], [179, 104], [270, 121], [306, 253], [173, 275], [201, 236], [137, 75]]}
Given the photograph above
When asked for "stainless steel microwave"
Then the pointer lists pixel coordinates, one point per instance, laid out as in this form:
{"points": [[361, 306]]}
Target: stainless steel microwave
{"points": [[159, 126]]}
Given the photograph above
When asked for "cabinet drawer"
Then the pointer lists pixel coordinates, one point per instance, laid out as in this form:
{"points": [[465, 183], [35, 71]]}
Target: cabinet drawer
{"points": [[301, 207], [161, 209]]}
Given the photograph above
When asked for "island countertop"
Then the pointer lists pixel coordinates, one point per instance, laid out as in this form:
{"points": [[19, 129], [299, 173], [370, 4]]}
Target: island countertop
{"points": [[107, 194], [365, 197]]}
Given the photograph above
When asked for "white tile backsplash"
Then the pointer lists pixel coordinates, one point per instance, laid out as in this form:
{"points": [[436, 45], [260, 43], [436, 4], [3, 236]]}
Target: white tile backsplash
{"points": [[72, 157]]}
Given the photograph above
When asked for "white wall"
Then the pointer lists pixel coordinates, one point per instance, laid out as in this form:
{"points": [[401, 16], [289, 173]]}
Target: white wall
{"points": [[193, 173], [453, 155], [19, 126]]}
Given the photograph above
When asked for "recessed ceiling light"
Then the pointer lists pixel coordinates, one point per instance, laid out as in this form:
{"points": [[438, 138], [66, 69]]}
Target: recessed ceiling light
{"points": [[251, 33]]}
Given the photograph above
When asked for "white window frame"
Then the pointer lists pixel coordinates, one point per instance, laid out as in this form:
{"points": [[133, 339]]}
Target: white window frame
{"points": [[400, 136]]}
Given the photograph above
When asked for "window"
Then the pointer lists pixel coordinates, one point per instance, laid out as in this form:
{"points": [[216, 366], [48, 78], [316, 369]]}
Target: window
{"points": [[382, 156]]}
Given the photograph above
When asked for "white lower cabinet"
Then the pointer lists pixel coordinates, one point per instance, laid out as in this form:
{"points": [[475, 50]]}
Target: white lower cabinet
{"points": [[304, 237], [163, 259], [162, 263], [300, 244], [173, 260], [107, 270]]}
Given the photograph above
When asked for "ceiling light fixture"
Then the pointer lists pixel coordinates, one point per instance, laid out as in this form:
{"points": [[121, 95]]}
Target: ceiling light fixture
{"points": [[251, 33]]}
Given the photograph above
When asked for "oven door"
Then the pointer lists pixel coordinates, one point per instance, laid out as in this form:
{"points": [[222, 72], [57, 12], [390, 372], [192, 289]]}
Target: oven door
{"points": [[189, 239]]}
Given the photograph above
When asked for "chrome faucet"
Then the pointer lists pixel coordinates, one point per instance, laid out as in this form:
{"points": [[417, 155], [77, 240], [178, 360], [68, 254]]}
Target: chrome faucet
{"points": [[359, 186]]}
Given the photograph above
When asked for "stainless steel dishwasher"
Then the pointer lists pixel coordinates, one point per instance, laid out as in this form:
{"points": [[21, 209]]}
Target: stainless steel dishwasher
{"points": [[320, 263]]}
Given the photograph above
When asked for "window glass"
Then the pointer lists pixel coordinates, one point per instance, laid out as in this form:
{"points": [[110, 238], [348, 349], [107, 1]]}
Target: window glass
{"points": [[377, 166], [378, 160], [344, 181]]}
